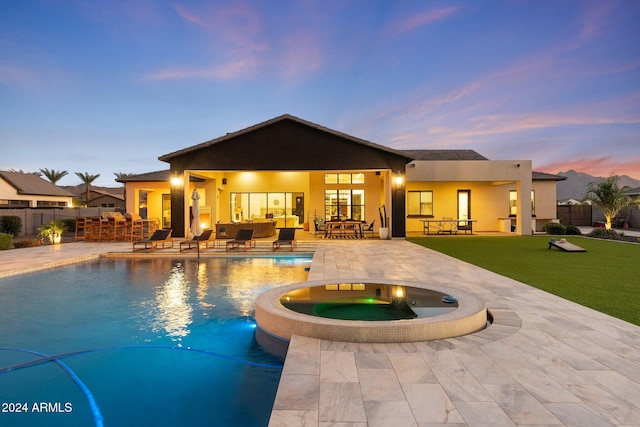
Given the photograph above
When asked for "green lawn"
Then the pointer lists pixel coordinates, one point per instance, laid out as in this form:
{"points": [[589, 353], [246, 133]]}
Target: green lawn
{"points": [[605, 278]]}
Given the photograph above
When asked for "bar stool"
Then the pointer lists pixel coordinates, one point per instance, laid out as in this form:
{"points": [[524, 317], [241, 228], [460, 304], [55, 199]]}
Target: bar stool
{"points": [[81, 228]]}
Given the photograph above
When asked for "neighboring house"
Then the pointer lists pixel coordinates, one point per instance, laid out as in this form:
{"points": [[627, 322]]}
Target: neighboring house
{"points": [[26, 190], [100, 197], [294, 171], [103, 199]]}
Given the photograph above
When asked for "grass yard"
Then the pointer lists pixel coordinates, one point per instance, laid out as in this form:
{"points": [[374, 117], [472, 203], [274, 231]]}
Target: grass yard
{"points": [[605, 278]]}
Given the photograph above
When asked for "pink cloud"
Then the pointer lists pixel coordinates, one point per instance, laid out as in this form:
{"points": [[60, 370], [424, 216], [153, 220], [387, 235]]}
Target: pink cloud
{"points": [[235, 22], [593, 19], [233, 70], [596, 166], [418, 20], [300, 55], [9, 74]]}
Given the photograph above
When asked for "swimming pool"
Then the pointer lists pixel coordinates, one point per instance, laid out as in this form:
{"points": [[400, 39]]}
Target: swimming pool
{"points": [[173, 339]]}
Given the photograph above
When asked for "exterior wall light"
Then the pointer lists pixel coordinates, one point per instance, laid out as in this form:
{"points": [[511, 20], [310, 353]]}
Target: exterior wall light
{"points": [[176, 181], [398, 180]]}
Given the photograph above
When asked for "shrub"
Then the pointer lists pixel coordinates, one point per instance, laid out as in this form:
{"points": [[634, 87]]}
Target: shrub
{"points": [[11, 225], [6, 241], [555, 228], [601, 233], [53, 231], [31, 243], [573, 230]]}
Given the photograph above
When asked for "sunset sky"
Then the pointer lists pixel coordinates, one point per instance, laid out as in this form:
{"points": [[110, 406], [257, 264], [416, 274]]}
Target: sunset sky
{"points": [[109, 86]]}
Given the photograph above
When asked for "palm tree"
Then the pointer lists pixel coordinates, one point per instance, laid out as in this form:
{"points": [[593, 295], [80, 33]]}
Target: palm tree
{"points": [[610, 198], [120, 175], [87, 179], [53, 175], [21, 171]]}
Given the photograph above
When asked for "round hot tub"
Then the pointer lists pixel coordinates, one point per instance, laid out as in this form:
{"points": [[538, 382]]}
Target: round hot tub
{"points": [[369, 311]]}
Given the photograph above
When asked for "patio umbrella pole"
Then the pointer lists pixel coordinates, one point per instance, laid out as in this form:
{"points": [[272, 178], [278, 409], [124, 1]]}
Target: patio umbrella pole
{"points": [[196, 228]]}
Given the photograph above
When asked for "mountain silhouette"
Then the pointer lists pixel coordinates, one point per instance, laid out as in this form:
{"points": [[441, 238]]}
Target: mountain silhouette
{"points": [[575, 186]]}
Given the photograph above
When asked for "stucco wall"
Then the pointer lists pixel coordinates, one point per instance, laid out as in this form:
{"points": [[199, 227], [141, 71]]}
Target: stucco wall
{"points": [[489, 181]]}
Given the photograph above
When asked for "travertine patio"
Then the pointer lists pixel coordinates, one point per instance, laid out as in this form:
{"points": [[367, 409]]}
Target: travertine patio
{"points": [[545, 361]]}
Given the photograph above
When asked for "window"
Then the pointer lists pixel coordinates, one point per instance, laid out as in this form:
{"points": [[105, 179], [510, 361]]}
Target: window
{"points": [[14, 203], [344, 178], [420, 203], [50, 203], [344, 204], [513, 203], [250, 206]]}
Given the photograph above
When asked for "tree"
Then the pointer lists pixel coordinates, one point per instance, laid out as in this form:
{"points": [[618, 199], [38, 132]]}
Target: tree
{"points": [[21, 171], [53, 175], [87, 179], [121, 175], [608, 196]]}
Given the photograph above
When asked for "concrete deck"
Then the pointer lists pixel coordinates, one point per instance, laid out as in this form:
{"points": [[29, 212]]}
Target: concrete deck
{"points": [[546, 361]]}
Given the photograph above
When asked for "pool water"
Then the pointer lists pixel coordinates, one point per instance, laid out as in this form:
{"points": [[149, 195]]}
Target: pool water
{"points": [[173, 339], [368, 301]]}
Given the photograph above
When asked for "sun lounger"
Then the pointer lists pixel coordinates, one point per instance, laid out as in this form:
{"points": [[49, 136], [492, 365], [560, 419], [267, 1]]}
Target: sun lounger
{"points": [[286, 236], [565, 246], [160, 238], [244, 237], [205, 238]]}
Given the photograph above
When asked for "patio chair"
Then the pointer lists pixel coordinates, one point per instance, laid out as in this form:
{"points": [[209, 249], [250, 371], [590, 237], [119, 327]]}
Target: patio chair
{"points": [[160, 238], [243, 237], [319, 226], [369, 228], [465, 225], [286, 236], [205, 238]]}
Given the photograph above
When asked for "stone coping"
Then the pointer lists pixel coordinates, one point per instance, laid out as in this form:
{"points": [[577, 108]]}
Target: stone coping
{"points": [[274, 318]]}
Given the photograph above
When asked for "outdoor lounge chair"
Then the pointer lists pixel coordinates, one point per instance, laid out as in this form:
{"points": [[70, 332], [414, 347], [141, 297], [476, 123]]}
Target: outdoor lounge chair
{"points": [[205, 238], [160, 238], [565, 246], [286, 236], [243, 237]]}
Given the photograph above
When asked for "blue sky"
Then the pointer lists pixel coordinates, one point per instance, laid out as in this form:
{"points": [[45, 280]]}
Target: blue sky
{"points": [[108, 86]]}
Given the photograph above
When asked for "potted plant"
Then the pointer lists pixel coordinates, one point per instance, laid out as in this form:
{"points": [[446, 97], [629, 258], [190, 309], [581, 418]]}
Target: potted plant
{"points": [[384, 227], [52, 231]]}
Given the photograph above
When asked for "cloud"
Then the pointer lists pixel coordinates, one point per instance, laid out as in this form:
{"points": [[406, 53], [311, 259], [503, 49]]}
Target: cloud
{"points": [[418, 20], [235, 23], [593, 19], [596, 166], [233, 70], [10, 74]]}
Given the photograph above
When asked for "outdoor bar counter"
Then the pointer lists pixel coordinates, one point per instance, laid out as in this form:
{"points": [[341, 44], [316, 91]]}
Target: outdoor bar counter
{"points": [[260, 229]]}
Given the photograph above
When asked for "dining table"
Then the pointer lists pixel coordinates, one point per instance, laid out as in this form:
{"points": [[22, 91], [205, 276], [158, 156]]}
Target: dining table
{"points": [[344, 228], [446, 225]]}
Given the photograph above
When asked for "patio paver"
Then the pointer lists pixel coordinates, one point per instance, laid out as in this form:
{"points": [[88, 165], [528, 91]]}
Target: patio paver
{"points": [[547, 362]]}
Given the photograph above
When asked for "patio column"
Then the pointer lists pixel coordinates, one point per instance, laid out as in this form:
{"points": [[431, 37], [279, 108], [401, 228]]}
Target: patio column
{"points": [[179, 181], [523, 227]]}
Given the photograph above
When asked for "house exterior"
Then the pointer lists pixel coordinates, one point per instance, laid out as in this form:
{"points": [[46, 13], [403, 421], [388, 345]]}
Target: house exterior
{"points": [[294, 171], [26, 190]]}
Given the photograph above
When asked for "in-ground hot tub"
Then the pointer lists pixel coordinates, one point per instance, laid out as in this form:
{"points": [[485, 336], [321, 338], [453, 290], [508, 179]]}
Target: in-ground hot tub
{"points": [[369, 311]]}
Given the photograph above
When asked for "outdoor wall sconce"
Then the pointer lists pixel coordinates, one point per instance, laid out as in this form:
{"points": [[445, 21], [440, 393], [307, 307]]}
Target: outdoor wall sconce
{"points": [[176, 181], [398, 180]]}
